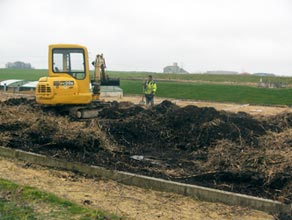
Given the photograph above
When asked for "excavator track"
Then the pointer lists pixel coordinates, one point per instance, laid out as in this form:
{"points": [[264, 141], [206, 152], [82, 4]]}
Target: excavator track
{"points": [[87, 111], [78, 111]]}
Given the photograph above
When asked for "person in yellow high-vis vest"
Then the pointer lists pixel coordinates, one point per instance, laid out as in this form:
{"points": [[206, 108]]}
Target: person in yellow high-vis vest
{"points": [[150, 88]]}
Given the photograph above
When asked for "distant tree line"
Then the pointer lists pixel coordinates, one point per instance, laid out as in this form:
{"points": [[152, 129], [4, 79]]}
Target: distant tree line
{"points": [[18, 65]]}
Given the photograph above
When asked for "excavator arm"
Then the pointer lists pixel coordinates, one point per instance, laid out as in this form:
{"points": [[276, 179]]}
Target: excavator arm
{"points": [[100, 77]]}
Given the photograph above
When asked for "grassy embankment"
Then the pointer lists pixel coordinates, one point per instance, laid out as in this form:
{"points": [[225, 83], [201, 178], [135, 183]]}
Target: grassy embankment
{"points": [[217, 93], [200, 90], [35, 74], [22, 202]]}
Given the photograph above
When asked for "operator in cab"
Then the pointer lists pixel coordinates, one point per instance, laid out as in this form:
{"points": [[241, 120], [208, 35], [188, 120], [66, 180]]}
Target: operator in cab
{"points": [[150, 88]]}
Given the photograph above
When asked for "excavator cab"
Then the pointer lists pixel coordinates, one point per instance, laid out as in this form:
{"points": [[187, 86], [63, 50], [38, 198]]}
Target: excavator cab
{"points": [[68, 84], [68, 81]]}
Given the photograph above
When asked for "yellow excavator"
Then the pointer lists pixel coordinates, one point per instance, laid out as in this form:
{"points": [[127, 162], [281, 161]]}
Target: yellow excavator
{"points": [[68, 85]]}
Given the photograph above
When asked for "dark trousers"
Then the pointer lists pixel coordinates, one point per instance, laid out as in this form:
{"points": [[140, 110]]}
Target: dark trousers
{"points": [[149, 99]]}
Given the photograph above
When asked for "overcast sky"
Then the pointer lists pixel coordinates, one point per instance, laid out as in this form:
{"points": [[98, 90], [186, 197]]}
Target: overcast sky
{"points": [[146, 35]]}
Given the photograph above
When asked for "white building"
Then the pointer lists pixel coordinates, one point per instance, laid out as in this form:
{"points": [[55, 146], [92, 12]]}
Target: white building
{"points": [[174, 69]]}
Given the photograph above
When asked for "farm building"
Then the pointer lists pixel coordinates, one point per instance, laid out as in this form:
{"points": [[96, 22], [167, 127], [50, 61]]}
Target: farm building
{"points": [[29, 86], [12, 84], [174, 69], [264, 74]]}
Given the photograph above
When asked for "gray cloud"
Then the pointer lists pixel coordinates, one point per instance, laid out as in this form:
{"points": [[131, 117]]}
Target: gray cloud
{"points": [[242, 35]]}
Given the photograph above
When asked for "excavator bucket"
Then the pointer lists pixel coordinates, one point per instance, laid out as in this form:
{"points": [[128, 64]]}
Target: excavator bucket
{"points": [[110, 82]]}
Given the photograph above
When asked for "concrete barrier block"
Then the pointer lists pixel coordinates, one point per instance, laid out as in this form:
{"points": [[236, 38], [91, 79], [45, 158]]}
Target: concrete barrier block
{"points": [[198, 192]]}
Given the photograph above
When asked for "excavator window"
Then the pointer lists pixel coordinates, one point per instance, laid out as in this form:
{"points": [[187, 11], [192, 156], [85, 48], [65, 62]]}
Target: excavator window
{"points": [[69, 61]]}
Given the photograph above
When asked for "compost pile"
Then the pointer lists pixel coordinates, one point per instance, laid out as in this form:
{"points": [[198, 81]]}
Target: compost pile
{"points": [[230, 151]]}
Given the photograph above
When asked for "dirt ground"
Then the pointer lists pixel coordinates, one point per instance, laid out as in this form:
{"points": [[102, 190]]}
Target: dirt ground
{"points": [[231, 107], [238, 148], [128, 201]]}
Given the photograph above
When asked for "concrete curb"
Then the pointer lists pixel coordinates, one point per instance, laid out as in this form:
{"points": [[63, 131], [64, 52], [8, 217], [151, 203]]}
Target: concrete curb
{"points": [[198, 192]]}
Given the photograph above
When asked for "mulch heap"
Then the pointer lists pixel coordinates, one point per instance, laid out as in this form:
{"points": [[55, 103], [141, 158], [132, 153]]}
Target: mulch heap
{"points": [[223, 150]]}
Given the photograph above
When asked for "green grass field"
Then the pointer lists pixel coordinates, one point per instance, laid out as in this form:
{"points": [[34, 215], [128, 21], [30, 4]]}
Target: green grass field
{"points": [[203, 77], [213, 92], [35, 74], [25, 74], [27, 203], [201, 90]]}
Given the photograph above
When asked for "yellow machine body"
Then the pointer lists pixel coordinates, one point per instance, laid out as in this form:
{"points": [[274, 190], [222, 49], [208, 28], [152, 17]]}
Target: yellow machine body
{"points": [[68, 80]]}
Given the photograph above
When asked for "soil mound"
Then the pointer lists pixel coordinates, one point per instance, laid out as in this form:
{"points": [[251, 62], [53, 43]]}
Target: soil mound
{"points": [[120, 110], [189, 128], [30, 128], [19, 101], [229, 151]]}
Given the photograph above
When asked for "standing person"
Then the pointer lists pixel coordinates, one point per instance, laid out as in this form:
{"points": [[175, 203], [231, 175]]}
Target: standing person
{"points": [[150, 88]]}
